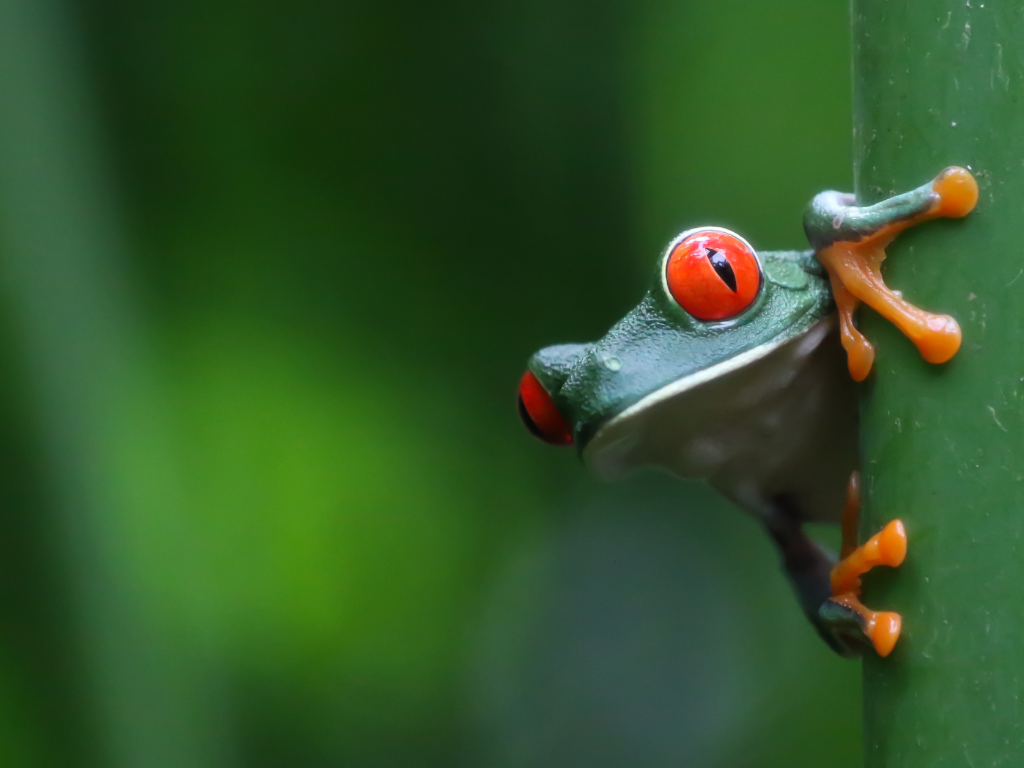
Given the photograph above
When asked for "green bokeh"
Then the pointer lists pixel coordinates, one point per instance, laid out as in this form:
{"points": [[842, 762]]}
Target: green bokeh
{"points": [[345, 227]]}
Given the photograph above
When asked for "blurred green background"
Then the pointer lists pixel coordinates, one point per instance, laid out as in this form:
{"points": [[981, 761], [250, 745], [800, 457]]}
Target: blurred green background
{"points": [[270, 273]]}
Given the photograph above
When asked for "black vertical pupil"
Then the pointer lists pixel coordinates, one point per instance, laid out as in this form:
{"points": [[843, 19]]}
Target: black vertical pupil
{"points": [[722, 267]]}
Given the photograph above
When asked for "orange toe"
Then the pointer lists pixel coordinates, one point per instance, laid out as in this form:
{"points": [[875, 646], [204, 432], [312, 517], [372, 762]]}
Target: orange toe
{"points": [[940, 339], [860, 358], [884, 630], [892, 544], [957, 191]]}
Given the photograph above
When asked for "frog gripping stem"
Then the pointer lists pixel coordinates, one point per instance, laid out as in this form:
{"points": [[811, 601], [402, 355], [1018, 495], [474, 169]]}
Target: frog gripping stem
{"points": [[850, 243]]}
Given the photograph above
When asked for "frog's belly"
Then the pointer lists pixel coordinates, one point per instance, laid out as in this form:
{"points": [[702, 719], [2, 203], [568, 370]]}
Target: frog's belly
{"points": [[783, 424]]}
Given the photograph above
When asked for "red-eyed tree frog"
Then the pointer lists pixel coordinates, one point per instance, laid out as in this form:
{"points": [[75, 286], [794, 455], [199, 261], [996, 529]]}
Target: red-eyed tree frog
{"points": [[731, 370]]}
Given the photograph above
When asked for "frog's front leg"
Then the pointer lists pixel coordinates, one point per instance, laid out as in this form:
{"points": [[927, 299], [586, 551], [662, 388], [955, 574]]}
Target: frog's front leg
{"points": [[850, 242]]}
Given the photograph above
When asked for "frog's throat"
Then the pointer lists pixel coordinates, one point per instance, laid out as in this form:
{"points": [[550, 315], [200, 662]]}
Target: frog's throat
{"points": [[813, 336]]}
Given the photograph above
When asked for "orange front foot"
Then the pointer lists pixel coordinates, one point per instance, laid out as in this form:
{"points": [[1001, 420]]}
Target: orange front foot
{"points": [[850, 243]]}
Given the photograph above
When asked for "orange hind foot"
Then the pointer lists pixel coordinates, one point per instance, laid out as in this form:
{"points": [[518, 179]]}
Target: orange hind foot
{"points": [[889, 548], [848, 619]]}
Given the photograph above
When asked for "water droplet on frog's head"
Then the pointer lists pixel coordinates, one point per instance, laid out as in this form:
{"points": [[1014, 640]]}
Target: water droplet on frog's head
{"points": [[611, 362]]}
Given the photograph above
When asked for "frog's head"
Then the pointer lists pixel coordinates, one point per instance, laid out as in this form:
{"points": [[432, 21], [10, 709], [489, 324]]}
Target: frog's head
{"points": [[715, 309]]}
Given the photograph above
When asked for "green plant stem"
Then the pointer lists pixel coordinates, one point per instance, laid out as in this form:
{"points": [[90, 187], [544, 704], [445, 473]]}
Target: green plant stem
{"points": [[939, 83]]}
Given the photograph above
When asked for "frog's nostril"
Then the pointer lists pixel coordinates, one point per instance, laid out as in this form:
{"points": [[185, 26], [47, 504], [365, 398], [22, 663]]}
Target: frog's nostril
{"points": [[538, 412]]}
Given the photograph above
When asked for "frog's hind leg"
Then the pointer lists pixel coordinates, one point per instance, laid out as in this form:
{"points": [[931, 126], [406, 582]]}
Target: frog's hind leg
{"points": [[838, 615], [808, 566], [850, 242], [844, 609]]}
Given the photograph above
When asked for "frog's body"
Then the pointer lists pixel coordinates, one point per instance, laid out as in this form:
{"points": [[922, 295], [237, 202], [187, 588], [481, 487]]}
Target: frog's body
{"points": [[731, 370], [778, 419]]}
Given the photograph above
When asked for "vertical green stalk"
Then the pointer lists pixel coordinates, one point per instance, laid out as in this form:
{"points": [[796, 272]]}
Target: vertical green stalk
{"points": [[98, 406], [938, 83]]}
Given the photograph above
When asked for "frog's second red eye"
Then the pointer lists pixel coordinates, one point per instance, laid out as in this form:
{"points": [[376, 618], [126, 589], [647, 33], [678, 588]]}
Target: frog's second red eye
{"points": [[713, 274], [538, 412]]}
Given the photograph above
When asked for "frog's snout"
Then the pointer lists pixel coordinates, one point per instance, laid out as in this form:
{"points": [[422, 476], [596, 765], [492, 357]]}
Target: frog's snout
{"points": [[539, 414]]}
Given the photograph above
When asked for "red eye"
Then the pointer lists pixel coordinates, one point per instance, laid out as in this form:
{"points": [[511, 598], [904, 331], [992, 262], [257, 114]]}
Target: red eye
{"points": [[713, 275], [539, 414]]}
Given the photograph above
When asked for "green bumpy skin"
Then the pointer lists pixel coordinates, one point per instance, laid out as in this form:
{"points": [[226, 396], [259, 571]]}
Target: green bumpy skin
{"points": [[659, 343]]}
